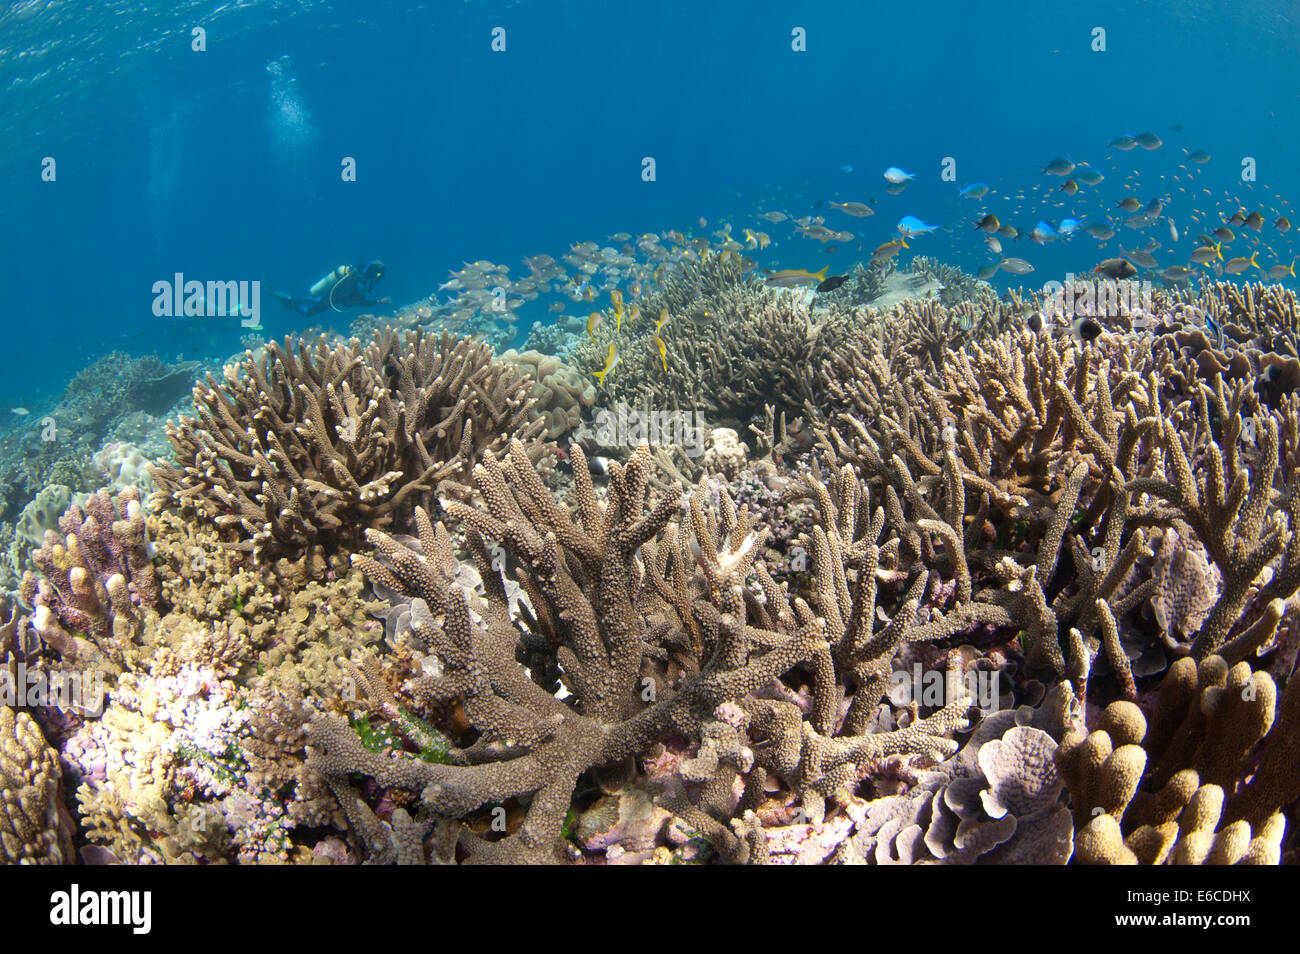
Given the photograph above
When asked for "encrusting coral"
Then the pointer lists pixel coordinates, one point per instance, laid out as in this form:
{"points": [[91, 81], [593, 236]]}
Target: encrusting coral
{"points": [[310, 443]]}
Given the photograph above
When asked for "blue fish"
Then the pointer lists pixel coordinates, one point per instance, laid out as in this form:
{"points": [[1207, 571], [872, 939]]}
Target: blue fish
{"points": [[1043, 232], [897, 175], [846, 168], [910, 226], [976, 190], [1067, 226]]}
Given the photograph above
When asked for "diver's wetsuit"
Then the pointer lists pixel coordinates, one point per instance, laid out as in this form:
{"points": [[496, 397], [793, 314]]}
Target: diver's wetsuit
{"points": [[349, 291]]}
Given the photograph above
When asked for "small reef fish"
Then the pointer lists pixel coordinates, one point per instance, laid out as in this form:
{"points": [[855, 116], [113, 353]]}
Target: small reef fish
{"points": [[20, 411], [1140, 258], [1117, 268], [1085, 329], [1060, 166], [909, 226], [663, 319], [633, 312], [1148, 140], [1281, 271], [989, 223], [616, 297], [593, 322], [1100, 231], [1070, 187], [663, 350], [1176, 273], [897, 176], [773, 217], [1207, 253], [887, 251], [994, 244], [1067, 227], [1042, 232], [1131, 204], [857, 209], [832, 283], [987, 271], [1123, 142], [976, 190], [1200, 157], [1254, 221], [1283, 224], [789, 277], [611, 361], [1235, 266], [1089, 177], [1225, 234], [1016, 266]]}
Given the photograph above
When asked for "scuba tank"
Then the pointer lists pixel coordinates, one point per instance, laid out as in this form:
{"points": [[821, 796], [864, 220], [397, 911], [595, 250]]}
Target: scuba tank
{"points": [[327, 283]]}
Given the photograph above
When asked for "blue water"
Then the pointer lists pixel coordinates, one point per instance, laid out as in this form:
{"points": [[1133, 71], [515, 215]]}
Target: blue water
{"points": [[212, 165]]}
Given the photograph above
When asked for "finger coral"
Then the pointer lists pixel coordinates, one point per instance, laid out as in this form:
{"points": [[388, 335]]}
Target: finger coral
{"points": [[34, 827], [1171, 792]]}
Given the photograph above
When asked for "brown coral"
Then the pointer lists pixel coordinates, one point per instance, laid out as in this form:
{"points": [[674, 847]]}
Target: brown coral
{"points": [[309, 443]]}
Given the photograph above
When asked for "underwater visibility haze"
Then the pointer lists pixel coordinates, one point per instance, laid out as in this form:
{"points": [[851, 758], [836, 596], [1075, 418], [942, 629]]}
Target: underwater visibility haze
{"points": [[564, 432]]}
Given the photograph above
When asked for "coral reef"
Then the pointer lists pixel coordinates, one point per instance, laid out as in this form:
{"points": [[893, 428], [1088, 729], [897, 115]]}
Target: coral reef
{"points": [[310, 443]]}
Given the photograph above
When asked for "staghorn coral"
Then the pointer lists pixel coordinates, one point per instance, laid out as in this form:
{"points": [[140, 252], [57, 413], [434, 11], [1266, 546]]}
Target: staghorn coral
{"points": [[642, 646], [1157, 793], [310, 444], [732, 346], [585, 583]]}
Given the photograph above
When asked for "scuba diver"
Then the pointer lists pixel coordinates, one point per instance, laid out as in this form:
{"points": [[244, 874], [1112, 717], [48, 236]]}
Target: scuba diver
{"points": [[344, 287]]}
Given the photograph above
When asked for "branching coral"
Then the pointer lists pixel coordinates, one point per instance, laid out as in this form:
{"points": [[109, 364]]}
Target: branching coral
{"points": [[587, 630], [310, 443], [649, 632]]}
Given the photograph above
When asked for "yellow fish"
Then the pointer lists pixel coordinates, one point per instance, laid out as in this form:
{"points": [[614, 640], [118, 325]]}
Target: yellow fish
{"points": [[633, 312], [611, 360], [663, 319], [663, 350], [1238, 265], [593, 322], [616, 297]]}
